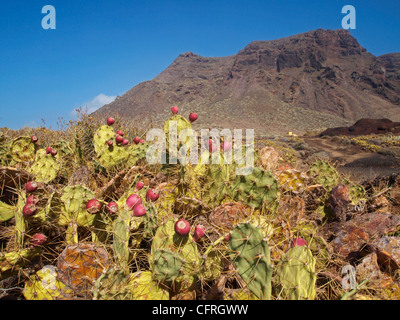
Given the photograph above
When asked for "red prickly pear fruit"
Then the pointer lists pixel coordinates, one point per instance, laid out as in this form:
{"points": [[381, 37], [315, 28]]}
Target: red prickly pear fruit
{"points": [[120, 132], [174, 110], [211, 146], [298, 242], [226, 146], [227, 237], [112, 207], [110, 121], [133, 200], [139, 185], [110, 143], [93, 206], [34, 139], [29, 209], [32, 199], [119, 139], [199, 232], [125, 142], [182, 227], [151, 195], [141, 141], [136, 140], [48, 150], [193, 117], [38, 239], [31, 186], [139, 210], [53, 152]]}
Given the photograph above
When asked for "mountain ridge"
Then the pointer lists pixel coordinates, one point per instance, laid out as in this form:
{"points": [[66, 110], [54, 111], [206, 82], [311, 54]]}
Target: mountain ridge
{"points": [[310, 81]]}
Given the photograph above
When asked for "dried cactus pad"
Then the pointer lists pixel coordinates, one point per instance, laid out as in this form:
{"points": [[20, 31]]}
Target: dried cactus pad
{"points": [[23, 149], [227, 214], [44, 285], [79, 265]]}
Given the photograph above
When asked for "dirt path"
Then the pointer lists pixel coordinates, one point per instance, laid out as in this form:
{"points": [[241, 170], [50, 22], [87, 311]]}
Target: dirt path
{"points": [[353, 160]]}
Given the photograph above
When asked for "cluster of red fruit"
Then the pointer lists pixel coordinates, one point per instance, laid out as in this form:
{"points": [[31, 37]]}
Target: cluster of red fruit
{"points": [[133, 202], [30, 209], [119, 136], [192, 116], [49, 150]]}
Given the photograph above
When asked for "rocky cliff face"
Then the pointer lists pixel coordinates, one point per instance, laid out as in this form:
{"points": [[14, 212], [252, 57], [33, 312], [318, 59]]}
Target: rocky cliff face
{"points": [[309, 81]]}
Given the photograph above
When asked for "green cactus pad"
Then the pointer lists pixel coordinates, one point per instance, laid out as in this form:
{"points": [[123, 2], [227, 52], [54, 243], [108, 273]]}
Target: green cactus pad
{"points": [[295, 274], [357, 193], [173, 258], [256, 188], [251, 256], [167, 267], [114, 284], [45, 168], [323, 173], [6, 211], [73, 208], [121, 234], [178, 123]]}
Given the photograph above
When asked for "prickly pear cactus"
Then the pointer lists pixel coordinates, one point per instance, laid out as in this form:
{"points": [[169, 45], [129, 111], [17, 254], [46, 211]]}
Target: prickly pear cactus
{"points": [[5, 153], [45, 168], [218, 180], [109, 156], [256, 188], [323, 173], [295, 274], [250, 255], [16, 259], [6, 211], [121, 234], [44, 285], [269, 158], [137, 152], [292, 180], [228, 214], [357, 193], [114, 284], [73, 210], [23, 149], [80, 265], [174, 259], [174, 126], [212, 265], [143, 287], [189, 192]]}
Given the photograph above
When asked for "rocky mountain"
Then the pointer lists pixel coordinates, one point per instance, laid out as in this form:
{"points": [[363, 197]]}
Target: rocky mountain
{"points": [[309, 81]]}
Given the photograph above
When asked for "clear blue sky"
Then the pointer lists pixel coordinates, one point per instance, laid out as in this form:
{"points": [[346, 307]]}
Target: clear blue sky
{"points": [[100, 49]]}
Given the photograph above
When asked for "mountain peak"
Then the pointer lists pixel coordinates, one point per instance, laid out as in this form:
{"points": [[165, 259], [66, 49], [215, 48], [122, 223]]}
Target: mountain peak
{"points": [[317, 79]]}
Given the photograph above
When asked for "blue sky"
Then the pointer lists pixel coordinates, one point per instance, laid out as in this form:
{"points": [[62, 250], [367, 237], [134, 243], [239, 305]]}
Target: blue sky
{"points": [[100, 49]]}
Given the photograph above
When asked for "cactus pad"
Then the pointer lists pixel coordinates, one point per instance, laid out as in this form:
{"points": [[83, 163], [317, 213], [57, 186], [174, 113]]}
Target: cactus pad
{"points": [[296, 274], [250, 255], [80, 265]]}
